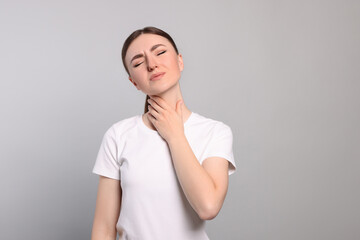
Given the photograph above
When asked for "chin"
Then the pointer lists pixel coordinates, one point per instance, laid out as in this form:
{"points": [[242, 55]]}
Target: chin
{"points": [[162, 88]]}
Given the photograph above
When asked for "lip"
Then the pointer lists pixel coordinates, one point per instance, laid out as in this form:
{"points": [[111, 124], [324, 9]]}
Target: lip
{"points": [[157, 76]]}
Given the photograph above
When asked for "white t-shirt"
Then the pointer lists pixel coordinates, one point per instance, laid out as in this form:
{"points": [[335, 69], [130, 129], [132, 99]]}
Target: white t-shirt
{"points": [[153, 203]]}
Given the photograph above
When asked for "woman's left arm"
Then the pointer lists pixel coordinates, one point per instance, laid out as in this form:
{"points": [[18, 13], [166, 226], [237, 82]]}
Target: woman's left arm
{"points": [[205, 186]]}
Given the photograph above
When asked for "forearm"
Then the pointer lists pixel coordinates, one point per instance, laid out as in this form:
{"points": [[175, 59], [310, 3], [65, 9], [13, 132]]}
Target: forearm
{"points": [[98, 234], [197, 185]]}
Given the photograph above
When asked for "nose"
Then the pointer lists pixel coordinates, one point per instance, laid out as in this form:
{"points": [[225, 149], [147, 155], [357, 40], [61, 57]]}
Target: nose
{"points": [[151, 64]]}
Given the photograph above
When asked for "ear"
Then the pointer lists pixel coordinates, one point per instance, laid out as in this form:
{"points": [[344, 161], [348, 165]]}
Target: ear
{"points": [[133, 82], [180, 62]]}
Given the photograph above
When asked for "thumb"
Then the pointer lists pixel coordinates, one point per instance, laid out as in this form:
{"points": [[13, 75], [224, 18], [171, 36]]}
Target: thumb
{"points": [[179, 107]]}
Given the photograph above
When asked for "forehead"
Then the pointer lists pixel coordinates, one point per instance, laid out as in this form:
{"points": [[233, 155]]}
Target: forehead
{"points": [[144, 42]]}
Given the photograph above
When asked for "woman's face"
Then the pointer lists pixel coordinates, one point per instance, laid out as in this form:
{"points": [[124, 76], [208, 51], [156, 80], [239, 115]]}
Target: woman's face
{"points": [[153, 64]]}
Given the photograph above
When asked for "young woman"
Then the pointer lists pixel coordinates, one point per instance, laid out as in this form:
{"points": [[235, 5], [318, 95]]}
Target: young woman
{"points": [[165, 172]]}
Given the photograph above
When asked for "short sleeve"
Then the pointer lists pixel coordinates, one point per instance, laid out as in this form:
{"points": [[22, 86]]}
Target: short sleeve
{"points": [[221, 145], [106, 162]]}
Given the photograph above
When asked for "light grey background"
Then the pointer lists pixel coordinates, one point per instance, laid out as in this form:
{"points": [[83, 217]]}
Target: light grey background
{"points": [[284, 75]]}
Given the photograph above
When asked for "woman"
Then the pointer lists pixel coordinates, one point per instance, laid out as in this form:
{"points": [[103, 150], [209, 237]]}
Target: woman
{"points": [[165, 172]]}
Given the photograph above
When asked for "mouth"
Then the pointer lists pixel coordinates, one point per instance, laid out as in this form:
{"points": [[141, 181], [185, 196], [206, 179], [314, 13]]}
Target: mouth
{"points": [[157, 76]]}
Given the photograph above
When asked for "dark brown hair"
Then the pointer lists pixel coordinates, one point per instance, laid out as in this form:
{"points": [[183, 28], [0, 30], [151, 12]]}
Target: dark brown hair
{"points": [[137, 33]]}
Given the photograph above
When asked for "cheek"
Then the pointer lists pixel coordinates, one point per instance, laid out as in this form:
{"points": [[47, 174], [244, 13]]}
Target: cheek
{"points": [[137, 74], [136, 78], [173, 63]]}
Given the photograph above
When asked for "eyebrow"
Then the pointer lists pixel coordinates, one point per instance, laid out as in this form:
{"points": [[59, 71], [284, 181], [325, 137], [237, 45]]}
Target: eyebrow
{"points": [[151, 49]]}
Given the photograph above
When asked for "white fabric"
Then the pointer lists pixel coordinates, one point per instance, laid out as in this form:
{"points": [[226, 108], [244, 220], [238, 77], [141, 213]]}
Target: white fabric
{"points": [[153, 203]]}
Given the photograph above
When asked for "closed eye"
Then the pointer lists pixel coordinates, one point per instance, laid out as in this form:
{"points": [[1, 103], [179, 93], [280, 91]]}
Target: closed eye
{"points": [[162, 52], [136, 65]]}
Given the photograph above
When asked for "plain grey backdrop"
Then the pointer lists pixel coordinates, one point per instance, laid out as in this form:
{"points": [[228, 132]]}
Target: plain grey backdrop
{"points": [[284, 75]]}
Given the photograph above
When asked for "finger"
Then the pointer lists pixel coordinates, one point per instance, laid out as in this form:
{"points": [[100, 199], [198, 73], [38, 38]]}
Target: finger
{"points": [[151, 117], [160, 102], [155, 106], [153, 112]]}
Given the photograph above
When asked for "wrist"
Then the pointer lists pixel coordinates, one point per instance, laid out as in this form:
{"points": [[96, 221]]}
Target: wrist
{"points": [[176, 140]]}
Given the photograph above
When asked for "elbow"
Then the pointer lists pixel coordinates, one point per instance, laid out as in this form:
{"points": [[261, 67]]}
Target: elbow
{"points": [[103, 231], [209, 212]]}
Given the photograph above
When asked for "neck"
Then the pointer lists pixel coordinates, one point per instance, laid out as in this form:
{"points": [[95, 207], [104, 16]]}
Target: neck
{"points": [[171, 97]]}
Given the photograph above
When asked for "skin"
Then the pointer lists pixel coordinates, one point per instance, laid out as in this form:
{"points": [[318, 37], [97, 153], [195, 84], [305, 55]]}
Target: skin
{"points": [[205, 186], [167, 88]]}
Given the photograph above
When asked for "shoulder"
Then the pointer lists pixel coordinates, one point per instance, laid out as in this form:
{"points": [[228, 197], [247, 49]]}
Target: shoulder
{"points": [[210, 124], [126, 123], [123, 126]]}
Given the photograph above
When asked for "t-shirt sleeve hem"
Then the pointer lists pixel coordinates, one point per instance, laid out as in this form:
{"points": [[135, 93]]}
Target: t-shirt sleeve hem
{"points": [[232, 166], [109, 175]]}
